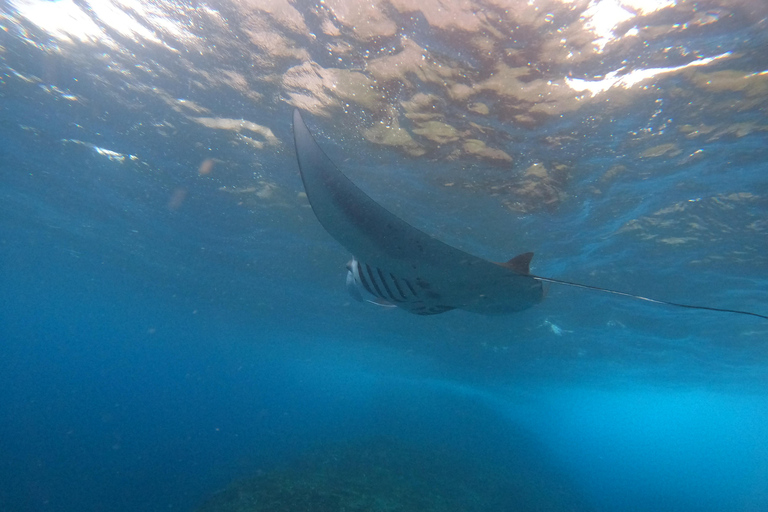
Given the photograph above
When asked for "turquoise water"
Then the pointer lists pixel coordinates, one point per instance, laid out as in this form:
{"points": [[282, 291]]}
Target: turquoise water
{"points": [[174, 318]]}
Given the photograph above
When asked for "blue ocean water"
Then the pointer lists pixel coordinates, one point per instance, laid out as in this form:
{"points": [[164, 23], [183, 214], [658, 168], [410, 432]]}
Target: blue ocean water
{"points": [[174, 318]]}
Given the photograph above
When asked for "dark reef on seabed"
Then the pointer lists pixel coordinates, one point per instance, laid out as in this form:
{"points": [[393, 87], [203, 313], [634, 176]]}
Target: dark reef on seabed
{"points": [[386, 475]]}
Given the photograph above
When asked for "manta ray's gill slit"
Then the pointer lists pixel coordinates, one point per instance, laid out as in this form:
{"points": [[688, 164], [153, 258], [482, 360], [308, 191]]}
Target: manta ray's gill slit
{"points": [[378, 293], [386, 287], [397, 285], [410, 287], [363, 280]]}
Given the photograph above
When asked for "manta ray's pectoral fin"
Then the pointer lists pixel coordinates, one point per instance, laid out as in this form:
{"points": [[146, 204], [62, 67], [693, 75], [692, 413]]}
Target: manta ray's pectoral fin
{"points": [[520, 264]]}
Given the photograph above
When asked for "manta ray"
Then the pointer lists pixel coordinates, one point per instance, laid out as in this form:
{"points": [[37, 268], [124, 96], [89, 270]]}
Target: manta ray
{"points": [[398, 265]]}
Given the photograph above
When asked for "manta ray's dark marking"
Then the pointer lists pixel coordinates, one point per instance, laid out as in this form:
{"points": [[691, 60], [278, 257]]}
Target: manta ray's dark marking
{"points": [[400, 265]]}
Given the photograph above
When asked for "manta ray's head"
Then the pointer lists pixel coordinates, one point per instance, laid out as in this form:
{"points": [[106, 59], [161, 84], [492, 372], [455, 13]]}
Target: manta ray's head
{"points": [[354, 286]]}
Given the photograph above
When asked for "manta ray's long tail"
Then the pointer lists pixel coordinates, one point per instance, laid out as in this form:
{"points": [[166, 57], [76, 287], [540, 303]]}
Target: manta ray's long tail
{"points": [[647, 299]]}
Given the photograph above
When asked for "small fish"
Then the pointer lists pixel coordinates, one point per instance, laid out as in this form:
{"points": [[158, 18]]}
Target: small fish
{"points": [[395, 264]]}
